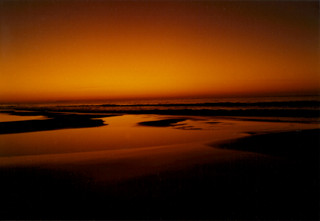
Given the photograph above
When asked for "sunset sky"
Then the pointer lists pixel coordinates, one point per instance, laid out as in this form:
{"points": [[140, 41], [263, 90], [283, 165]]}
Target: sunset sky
{"points": [[82, 50]]}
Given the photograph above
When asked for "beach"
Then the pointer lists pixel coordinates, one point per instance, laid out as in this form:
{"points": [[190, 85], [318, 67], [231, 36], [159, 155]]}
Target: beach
{"points": [[113, 166]]}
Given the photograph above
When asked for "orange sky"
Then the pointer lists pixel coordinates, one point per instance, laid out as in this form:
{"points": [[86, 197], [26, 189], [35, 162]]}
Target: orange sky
{"points": [[82, 50]]}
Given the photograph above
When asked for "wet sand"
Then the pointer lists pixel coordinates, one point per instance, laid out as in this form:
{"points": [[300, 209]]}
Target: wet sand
{"points": [[299, 144], [186, 181], [162, 123], [55, 121]]}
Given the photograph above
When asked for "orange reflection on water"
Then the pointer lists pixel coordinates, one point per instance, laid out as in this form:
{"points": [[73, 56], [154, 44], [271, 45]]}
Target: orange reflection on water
{"points": [[123, 149], [7, 117], [123, 132]]}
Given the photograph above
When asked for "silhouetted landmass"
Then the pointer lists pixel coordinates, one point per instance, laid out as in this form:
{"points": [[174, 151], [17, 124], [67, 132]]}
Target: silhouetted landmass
{"points": [[26, 113], [162, 123], [212, 122], [305, 120], [55, 121], [60, 115], [294, 144]]}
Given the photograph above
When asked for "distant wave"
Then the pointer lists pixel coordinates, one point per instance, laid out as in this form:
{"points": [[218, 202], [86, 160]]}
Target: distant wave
{"points": [[292, 104], [297, 108]]}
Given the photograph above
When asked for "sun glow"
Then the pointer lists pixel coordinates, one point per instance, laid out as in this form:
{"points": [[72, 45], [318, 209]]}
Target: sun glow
{"points": [[81, 50]]}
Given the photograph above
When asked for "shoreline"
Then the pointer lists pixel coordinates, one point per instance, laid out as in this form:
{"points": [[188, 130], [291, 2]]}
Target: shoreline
{"points": [[79, 119], [205, 185]]}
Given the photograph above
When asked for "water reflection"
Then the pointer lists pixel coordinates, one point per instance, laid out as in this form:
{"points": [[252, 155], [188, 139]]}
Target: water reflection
{"points": [[123, 132], [10, 118]]}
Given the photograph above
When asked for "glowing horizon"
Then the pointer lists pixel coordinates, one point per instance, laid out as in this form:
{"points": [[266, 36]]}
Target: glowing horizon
{"points": [[78, 50]]}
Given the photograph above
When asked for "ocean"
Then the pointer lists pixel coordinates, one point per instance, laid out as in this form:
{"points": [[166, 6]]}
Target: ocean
{"points": [[302, 106]]}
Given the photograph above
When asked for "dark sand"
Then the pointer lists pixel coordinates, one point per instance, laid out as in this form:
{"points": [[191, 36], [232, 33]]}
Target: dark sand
{"points": [[300, 145], [56, 121], [162, 123], [224, 185]]}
